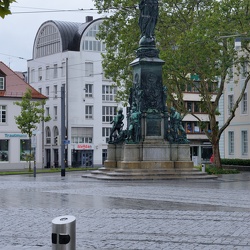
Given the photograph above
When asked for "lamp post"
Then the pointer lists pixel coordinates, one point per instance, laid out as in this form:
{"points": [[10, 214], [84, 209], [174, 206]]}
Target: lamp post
{"points": [[33, 145], [62, 130]]}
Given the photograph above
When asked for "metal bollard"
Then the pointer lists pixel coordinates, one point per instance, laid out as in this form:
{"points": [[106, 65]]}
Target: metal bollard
{"points": [[64, 233], [203, 168]]}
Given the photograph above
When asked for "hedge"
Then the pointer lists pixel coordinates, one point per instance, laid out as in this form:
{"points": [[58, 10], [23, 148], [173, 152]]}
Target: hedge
{"points": [[239, 162]]}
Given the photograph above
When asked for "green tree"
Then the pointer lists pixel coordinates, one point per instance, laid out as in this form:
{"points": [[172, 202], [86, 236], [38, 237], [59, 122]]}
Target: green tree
{"points": [[5, 7], [194, 38], [32, 113]]}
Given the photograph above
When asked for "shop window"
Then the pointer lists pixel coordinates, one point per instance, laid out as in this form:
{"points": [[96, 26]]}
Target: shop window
{"points": [[25, 153], [4, 150]]}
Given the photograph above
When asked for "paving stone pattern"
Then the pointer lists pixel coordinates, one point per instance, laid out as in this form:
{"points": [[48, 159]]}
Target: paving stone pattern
{"points": [[185, 214]]}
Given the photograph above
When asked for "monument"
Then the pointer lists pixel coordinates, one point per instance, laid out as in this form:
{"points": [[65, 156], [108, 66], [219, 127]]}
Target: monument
{"points": [[154, 142]]}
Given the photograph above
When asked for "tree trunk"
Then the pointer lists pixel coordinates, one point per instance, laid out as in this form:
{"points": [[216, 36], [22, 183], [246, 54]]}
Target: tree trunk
{"points": [[30, 155], [216, 153]]}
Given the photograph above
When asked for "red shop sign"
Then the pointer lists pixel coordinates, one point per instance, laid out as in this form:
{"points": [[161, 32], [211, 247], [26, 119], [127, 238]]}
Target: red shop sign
{"points": [[84, 146]]}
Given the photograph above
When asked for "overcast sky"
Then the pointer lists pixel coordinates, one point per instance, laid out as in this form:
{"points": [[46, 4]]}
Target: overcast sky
{"points": [[18, 31]]}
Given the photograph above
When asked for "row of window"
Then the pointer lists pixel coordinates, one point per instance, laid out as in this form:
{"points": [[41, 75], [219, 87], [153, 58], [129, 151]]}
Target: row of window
{"points": [[193, 127], [24, 150], [194, 107], [108, 113], [50, 72], [195, 87], [54, 116], [244, 142], [243, 71], [108, 92], [243, 103], [54, 71], [93, 45]]}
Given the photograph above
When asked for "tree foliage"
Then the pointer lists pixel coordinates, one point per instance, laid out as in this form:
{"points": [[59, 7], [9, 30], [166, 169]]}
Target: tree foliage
{"points": [[5, 7], [195, 37], [32, 113]]}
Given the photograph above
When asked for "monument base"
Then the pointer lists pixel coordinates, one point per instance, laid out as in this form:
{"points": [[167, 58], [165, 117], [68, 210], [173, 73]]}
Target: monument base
{"points": [[148, 154], [148, 160]]}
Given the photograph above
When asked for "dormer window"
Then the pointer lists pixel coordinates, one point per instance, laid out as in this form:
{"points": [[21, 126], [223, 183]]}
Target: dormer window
{"points": [[2, 83]]}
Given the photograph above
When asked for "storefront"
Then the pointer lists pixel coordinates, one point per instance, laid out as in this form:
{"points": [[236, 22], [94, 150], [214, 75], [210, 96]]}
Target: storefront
{"points": [[15, 151], [82, 155], [201, 153]]}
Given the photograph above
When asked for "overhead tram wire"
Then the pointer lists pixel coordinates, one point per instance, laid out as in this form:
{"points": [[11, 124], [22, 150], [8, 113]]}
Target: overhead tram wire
{"points": [[51, 11], [42, 10], [19, 57]]}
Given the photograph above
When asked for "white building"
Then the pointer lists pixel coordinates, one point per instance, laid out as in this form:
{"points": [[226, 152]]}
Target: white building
{"points": [[14, 146], [237, 143], [68, 54]]}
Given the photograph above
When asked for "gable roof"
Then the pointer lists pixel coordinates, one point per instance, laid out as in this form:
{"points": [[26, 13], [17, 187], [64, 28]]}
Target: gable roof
{"points": [[15, 86]]}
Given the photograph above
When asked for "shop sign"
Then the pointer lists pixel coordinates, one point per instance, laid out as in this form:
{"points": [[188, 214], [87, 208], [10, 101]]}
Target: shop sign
{"points": [[84, 146], [15, 135]]}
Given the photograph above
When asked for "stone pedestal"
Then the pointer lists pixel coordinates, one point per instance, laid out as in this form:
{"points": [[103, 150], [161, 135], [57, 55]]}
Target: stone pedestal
{"points": [[149, 154]]}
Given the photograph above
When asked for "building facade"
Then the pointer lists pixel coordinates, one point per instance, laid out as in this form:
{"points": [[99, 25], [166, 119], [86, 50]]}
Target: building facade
{"points": [[14, 146], [237, 143], [68, 55], [200, 146]]}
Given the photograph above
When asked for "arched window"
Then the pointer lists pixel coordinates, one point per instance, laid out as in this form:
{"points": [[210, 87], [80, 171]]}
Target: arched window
{"points": [[90, 43], [56, 134], [48, 135], [48, 41]]}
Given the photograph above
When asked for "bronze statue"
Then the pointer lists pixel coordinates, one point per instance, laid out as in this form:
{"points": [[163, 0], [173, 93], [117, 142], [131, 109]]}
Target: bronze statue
{"points": [[117, 126], [177, 132], [134, 125], [148, 17]]}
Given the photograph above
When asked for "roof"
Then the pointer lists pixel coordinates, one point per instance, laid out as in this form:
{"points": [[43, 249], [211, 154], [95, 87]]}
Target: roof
{"points": [[67, 31], [70, 32], [15, 86]]}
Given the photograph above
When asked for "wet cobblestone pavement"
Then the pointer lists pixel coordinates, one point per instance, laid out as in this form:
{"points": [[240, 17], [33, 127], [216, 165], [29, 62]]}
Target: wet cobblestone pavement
{"points": [[174, 214]]}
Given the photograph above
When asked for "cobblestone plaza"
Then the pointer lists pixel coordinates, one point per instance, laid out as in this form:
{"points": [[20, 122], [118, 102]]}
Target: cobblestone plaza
{"points": [[184, 214]]}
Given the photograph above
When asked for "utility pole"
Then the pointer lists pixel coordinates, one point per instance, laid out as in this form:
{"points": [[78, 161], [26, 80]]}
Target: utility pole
{"points": [[62, 130]]}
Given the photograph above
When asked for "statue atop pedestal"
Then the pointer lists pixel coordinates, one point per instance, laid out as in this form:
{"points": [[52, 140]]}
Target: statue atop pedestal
{"points": [[148, 20], [154, 139], [148, 116]]}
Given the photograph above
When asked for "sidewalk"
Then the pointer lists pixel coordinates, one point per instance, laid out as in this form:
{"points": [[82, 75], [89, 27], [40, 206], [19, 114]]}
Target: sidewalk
{"points": [[185, 214]]}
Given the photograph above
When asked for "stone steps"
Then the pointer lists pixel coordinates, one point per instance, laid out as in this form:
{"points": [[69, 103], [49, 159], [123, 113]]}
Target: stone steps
{"points": [[147, 174]]}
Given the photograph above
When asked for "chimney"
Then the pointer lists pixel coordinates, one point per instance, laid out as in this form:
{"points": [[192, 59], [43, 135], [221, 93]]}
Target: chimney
{"points": [[89, 19]]}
